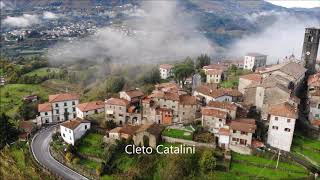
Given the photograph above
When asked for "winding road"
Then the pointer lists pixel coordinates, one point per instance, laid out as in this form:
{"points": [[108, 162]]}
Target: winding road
{"points": [[40, 150]]}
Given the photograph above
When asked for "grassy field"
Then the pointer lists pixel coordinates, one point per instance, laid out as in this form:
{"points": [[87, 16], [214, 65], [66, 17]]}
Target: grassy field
{"points": [[16, 163], [41, 72], [177, 133], [91, 145], [12, 94], [307, 148], [230, 83], [60, 85], [247, 166]]}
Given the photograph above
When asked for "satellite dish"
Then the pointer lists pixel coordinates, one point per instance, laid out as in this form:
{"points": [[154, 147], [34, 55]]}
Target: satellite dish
{"points": [[308, 53]]}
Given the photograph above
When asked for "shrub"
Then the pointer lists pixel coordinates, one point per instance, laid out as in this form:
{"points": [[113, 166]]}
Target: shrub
{"points": [[207, 161], [76, 160], [69, 156]]}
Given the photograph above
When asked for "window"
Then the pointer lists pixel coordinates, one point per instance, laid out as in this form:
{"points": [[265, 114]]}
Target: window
{"points": [[287, 129], [276, 118], [69, 131], [234, 139], [58, 118], [182, 113], [65, 109], [46, 113], [318, 106], [65, 104], [73, 103], [74, 115], [73, 109], [63, 135], [244, 133], [57, 111], [234, 131], [57, 105], [275, 127], [173, 107], [220, 120], [208, 123], [85, 127], [288, 120], [120, 115]]}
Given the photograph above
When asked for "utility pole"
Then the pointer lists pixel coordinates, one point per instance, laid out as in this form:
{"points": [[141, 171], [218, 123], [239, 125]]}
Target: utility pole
{"points": [[278, 159]]}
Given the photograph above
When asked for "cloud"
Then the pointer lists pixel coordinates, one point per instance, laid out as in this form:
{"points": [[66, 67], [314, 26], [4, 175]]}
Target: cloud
{"points": [[50, 15], [296, 3], [22, 21], [2, 5], [282, 38], [161, 32]]}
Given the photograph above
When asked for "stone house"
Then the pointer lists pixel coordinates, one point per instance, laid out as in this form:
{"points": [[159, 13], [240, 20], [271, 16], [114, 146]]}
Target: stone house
{"points": [[213, 119], [314, 99], [149, 133], [228, 107], [165, 71], [282, 118], [85, 109], [205, 94], [254, 60], [242, 131], [224, 137], [248, 79], [74, 129], [188, 108], [26, 128], [133, 96], [214, 76]]}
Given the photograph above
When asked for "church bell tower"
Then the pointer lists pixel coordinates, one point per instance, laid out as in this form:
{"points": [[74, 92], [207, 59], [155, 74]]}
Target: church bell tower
{"points": [[310, 49]]}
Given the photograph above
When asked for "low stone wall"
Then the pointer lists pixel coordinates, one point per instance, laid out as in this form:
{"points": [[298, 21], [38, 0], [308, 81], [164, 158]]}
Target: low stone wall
{"points": [[187, 142]]}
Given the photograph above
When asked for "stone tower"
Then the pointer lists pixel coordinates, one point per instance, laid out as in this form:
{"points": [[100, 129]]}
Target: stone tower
{"points": [[310, 49]]}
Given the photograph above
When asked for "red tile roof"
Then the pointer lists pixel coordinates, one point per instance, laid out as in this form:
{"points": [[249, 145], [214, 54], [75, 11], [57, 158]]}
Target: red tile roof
{"points": [[88, 106], [165, 66], [245, 126], [214, 71], [44, 107], [315, 122], [314, 80], [26, 126], [213, 112], [315, 93], [222, 67], [188, 100], [223, 105], [224, 131], [73, 123], [218, 92], [253, 77], [117, 102], [283, 110], [165, 95], [63, 97]]}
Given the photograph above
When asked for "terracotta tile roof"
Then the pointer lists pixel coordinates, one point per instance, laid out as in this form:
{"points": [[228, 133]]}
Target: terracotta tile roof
{"points": [[117, 102], [283, 110], [165, 95], [223, 105], [63, 97], [214, 71], [88, 106], [167, 87], [73, 123], [245, 126], [26, 126], [128, 129], [223, 67], [165, 66], [292, 69], [134, 93], [214, 112], [253, 77], [44, 107], [212, 92], [155, 129], [188, 100], [224, 131]]}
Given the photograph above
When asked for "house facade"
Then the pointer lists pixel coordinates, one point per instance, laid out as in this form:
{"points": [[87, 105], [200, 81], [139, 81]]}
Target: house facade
{"points": [[214, 76], [213, 119], [281, 126], [61, 107], [85, 109], [249, 79], [228, 107], [74, 129], [242, 131], [165, 71], [254, 60]]}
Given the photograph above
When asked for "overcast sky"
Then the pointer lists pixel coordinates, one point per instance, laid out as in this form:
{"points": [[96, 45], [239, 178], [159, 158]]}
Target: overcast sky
{"points": [[296, 3]]}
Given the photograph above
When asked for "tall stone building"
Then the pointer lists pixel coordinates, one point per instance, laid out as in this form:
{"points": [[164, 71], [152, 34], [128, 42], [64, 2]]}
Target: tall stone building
{"points": [[310, 48]]}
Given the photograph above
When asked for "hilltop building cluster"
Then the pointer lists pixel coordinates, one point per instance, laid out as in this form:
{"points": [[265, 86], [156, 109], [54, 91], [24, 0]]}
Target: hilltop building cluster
{"points": [[267, 95]]}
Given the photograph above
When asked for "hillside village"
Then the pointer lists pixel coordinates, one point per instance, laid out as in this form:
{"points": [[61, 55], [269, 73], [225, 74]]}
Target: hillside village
{"points": [[245, 107]]}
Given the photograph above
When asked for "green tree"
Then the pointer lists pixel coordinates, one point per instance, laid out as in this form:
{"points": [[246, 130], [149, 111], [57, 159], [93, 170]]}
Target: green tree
{"points": [[207, 161], [110, 124], [202, 60], [27, 110], [8, 132], [114, 84], [183, 71], [151, 77]]}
